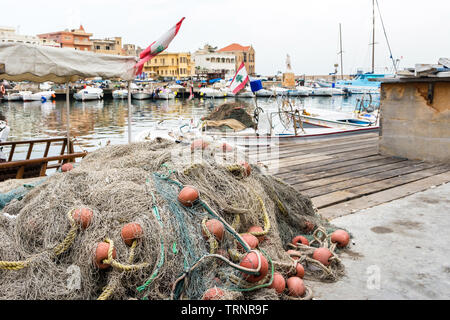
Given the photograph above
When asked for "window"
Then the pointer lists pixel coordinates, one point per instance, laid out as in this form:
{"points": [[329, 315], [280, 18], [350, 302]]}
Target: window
{"points": [[107, 48], [97, 47], [223, 60], [173, 61]]}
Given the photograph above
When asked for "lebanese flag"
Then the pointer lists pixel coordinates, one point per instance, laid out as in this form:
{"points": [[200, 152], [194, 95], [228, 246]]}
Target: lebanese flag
{"points": [[157, 46], [240, 79]]}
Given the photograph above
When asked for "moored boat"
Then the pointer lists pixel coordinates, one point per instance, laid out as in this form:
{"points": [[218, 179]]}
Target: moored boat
{"points": [[39, 96], [89, 93], [120, 94]]}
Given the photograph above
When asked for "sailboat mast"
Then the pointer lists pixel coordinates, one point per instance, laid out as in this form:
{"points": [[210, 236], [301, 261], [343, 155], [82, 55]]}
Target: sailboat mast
{"points": [[373, 37], [341, 52]]}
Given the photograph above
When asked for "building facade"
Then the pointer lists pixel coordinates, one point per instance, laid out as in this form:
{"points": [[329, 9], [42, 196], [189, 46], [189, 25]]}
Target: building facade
{"points": [[132, 50], [214, 62], [8, 34], [242, 54], [169, 65], [77, 39], [108, 46]]}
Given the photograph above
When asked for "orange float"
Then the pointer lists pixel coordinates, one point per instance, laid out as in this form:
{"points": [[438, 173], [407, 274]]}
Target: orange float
{"points": [[130, 232], [309, 226], [300, 270], [188, 195], [278, 283], [215, 227], [301, 239], [248, 169], [250, 239], [251, 261], [101, 253], [199, 144], [296, 287], [257, 229], [322, 255], [213, 294], [341, 238], [290, 252], [83, 217], [66, 167], [226, 147]]}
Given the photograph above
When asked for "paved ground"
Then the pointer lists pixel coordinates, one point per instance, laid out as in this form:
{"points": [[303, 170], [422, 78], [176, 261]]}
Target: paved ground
{"points": [[401, 250]]}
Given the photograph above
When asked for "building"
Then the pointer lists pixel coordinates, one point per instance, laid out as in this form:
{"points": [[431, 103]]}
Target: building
{"points": [[108, 46], [8, 34], [242, 54], [77, 39], [169, 65], [207, 60], [132, 50]]}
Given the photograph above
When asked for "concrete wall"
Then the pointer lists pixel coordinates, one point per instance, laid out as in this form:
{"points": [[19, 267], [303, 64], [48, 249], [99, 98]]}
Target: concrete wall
{"points": [[411, 126]]}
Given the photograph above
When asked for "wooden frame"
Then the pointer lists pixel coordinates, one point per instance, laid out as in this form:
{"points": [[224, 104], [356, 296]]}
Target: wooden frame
{"points": [[30, 168]]}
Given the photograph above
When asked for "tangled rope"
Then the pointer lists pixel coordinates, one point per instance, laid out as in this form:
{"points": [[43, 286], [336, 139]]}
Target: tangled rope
{"points": [[59, 249]]}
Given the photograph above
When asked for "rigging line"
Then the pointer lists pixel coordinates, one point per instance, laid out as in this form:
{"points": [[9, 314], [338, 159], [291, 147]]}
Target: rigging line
{"points": [[387, 40]]}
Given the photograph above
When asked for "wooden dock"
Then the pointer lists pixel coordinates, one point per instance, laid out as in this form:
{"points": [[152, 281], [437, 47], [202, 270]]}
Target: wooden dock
{"points": [[346, 174]]}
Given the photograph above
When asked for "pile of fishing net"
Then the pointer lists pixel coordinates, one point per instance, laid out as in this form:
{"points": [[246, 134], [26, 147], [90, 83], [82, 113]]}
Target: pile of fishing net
{"points": [[233, 115], [118, 227]]}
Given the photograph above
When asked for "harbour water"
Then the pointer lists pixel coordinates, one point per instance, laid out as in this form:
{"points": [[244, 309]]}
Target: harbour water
{"points": [[97, 123]]}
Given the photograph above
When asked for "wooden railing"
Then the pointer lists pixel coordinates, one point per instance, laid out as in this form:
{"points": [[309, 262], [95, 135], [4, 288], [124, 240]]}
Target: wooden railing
{"points": [[28, 168]]}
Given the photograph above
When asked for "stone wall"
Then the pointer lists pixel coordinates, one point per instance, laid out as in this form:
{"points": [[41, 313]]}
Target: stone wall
{"points": [[412, 125]]}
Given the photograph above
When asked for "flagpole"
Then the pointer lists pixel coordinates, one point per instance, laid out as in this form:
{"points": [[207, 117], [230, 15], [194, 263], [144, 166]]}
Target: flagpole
{"points": [[129, 111]]}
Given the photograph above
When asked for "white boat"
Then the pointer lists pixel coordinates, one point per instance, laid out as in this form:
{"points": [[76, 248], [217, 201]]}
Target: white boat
{"points": [[339, 120], [16, 96], [264, 93], [279, 91], [120, 94], [247, 93], [43, 96], [213, 93], [165, 94], [321, 92], [303, 91], [141, 94], [226, 92], [89, 93]]}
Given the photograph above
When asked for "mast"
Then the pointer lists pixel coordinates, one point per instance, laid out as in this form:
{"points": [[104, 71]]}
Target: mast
{"points": [[341, 52], [373, 37]]}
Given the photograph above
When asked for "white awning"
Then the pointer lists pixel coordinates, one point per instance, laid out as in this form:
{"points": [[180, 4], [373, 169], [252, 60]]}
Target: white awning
{"points": [[25, 62]]}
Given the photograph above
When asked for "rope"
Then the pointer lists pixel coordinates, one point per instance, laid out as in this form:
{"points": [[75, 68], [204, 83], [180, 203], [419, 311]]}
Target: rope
{"points": [[14, 265], [59, 249], [68, 241], [265, 217], [117, 265]]}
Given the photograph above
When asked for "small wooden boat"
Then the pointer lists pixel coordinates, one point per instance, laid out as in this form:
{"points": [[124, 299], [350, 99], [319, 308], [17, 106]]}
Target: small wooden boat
{"points": [[36, 167]]}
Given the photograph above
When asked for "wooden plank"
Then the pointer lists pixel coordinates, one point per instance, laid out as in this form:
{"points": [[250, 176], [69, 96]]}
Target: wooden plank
{"points": [[370, 188], [336, 165], [378, 198], [47, 148], [324, 173], [362, 174], [30, 149], [282, 153], [362, 180], [329, 138], [11, 152], [330, 161], [2, 68]]}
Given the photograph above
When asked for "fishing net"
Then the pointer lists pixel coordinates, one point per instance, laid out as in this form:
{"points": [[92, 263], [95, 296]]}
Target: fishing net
{"points": [[45, 253], [10, 193], [233, 110]]}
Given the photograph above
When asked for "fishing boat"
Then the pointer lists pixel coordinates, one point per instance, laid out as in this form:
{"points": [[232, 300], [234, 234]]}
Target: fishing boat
{"points": [[303, 91], [39, 96], [165, 94], [213, 93], [120, 94], [89, 93], [141, 94], [14, 96], [339, 120], [264, 93], [246, 93]]}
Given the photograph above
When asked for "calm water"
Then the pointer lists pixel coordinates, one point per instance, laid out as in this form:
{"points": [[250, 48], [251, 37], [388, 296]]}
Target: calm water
{"points": [[94, 123]]}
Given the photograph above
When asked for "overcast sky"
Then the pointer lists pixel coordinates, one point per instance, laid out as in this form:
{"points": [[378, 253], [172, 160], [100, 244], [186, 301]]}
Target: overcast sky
{"points": [[307, 30]]}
